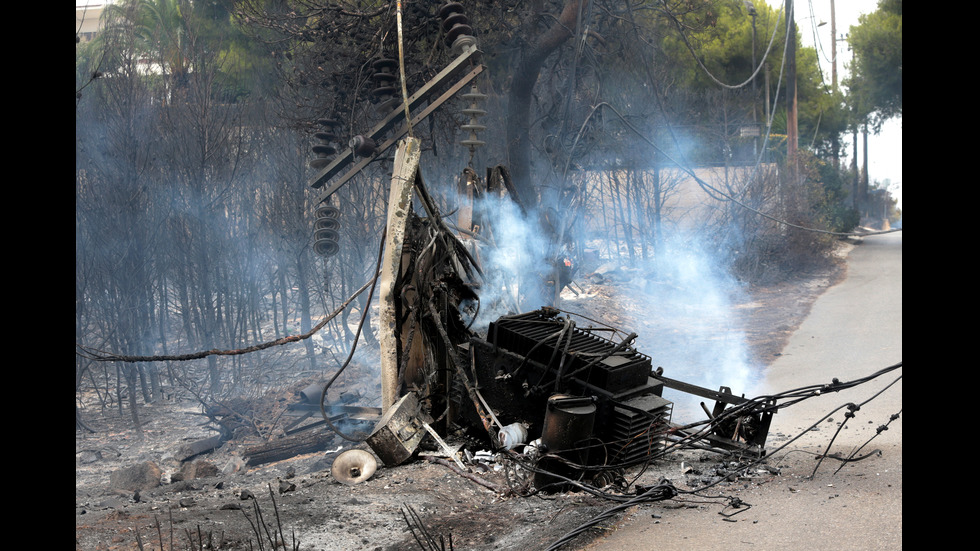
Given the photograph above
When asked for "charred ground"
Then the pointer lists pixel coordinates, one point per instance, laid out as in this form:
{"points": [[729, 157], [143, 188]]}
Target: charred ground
{"points": [[299, 498]]}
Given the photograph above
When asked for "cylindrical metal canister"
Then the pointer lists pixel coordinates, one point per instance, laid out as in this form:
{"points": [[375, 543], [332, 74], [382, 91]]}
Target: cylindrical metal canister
{"points": [[312, 393], [567, 428]]}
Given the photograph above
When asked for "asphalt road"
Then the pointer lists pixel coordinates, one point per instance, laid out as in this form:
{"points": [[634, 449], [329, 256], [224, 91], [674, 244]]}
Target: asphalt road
{"points": [[853, 331]]}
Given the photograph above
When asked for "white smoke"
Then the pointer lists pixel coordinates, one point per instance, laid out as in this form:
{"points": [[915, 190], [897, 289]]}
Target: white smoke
{"points": [[513, 257], [681, 304], [686, 323]]}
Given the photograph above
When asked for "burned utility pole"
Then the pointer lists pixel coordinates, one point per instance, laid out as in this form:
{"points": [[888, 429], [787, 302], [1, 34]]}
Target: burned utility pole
{"points": [[403, 350], [399, 207], [535, 375]]}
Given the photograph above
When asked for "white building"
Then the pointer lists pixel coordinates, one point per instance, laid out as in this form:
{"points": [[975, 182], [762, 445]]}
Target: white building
{"points": [[88, 15]]}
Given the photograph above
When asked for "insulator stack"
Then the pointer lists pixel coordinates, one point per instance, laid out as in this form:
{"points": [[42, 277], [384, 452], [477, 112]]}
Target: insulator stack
{"points": [[456, 27], [385, 80], [474, 111], [326, 231], [326, 148]]}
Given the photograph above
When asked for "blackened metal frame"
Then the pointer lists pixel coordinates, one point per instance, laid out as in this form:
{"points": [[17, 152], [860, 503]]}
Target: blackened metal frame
{"points": [[722, 397]]}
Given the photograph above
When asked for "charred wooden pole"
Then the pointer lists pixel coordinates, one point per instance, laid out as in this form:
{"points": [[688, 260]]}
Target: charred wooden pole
{"points": [[399, 207], [405, 177]]}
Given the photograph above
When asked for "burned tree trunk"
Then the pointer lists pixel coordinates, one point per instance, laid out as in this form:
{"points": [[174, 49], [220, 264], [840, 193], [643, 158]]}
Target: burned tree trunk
{"points": [[525, 76], [304, 300], [288, 447]]}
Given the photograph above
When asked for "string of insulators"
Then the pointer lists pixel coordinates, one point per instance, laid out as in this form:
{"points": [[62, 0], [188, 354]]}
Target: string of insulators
{"points": [[474, 111], [385, 79], [456, 27], [459, 36], [326, 230], [326, 146]]}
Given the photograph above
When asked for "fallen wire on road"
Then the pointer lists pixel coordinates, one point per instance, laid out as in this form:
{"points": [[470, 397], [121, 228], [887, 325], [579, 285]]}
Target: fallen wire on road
{"points": [[881, 429], [469, 476], [851, 412], [660, 492]]}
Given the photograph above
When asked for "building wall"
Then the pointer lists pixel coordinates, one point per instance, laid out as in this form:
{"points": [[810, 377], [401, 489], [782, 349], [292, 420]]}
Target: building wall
{"points": [[88, 14]]}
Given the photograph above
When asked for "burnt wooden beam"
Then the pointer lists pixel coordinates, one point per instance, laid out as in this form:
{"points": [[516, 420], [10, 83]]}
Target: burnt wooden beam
{"points": [[289, 447], [193, 449]]}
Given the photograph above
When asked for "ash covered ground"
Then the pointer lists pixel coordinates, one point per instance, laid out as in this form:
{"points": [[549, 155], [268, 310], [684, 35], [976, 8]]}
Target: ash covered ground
{"points": [[299, 498]]}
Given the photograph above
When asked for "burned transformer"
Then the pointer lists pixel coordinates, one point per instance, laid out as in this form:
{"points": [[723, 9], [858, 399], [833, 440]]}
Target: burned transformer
{"points": [[527, 359], [533, 366]]}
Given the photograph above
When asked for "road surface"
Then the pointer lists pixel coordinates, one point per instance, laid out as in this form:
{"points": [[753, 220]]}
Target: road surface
{"points": [[853, 330]]}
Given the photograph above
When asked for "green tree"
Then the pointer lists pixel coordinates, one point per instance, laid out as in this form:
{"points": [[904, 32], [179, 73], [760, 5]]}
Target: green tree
{"points": [[711, 51], [160, 32], [175, 37], [876, 82]]}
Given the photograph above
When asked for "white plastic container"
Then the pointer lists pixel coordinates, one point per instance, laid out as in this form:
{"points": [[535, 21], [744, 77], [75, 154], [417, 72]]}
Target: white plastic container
{"points": [[512, 435]]}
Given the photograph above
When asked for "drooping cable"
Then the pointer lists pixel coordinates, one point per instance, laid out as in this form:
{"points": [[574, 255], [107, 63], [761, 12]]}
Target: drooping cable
{"points": [[697, 58], [357, 336], [102, 356]]}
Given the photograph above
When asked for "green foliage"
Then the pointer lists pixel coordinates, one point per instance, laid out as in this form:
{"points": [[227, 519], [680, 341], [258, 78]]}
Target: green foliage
{"points": [[167, 40], [876, 82], [716, 45], [829, 197], [821, 119], [713, 55]]}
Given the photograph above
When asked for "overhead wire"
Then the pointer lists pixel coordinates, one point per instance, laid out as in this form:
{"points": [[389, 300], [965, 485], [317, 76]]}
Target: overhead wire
{"points": [[706, 71], [684, 165], [817, 43]]}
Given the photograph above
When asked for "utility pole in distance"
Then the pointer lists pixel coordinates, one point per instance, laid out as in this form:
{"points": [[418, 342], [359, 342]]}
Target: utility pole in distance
{"points": [[792, 132], [833, 45], [835, 140], [750, 7]]}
